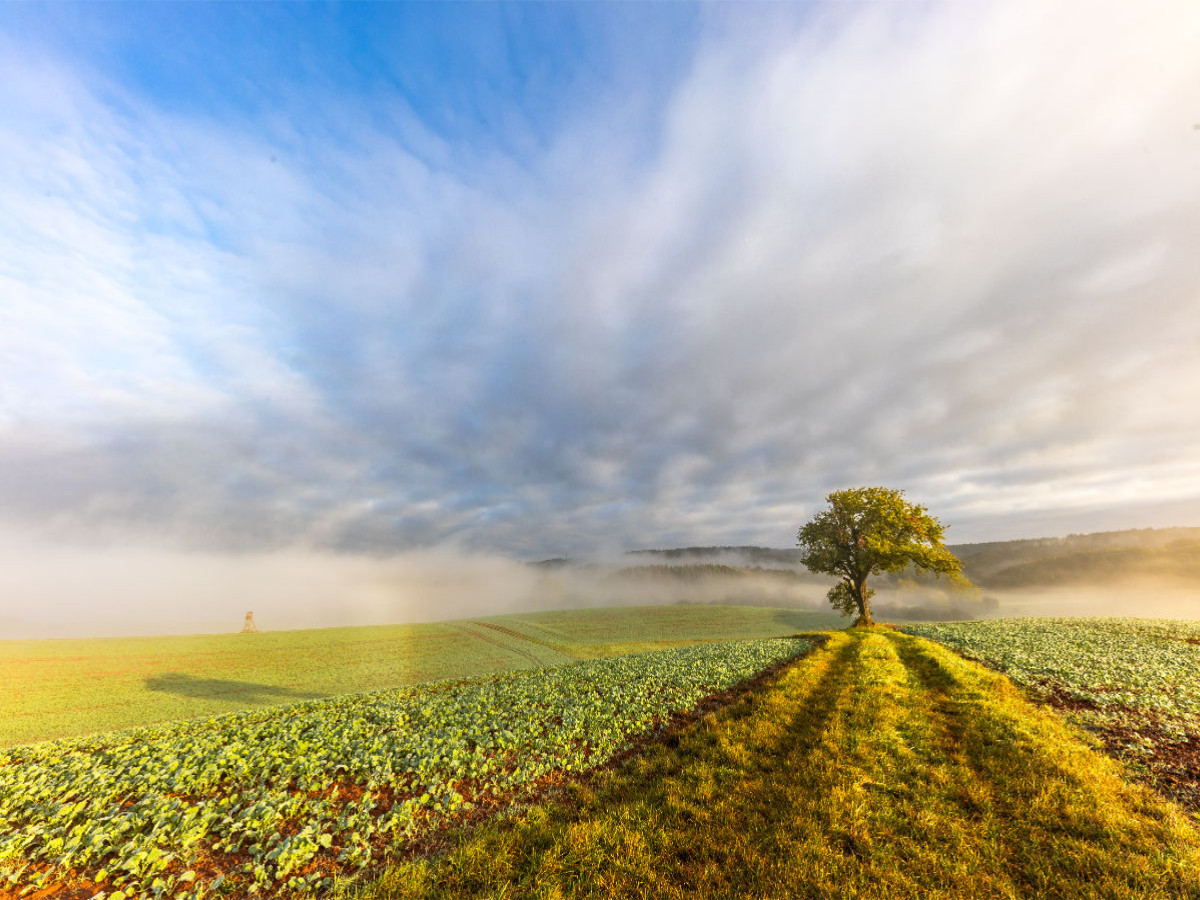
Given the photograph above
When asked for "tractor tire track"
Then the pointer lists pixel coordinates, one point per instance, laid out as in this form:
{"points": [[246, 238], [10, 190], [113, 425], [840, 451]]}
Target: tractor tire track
{"points": [[557, 648], [488, 639]]}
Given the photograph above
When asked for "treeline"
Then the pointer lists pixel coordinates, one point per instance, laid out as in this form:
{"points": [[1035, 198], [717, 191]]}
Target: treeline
{"points": [[699, 572], [1177, 561], [757, 556], [986, 559], [1078, 559]]}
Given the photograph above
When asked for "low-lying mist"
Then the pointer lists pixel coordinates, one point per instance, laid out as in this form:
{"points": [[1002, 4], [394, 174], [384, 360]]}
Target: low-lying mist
{"points": [[70, 592], [1147, 598], [48, 592]]}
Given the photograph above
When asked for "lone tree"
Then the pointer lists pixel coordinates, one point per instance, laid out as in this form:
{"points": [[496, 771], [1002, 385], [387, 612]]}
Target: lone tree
{"points": [[868, 531]]}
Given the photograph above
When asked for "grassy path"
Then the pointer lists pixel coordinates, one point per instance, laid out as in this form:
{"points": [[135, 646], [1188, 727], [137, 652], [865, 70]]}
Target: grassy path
{"points": [[882, 765]]}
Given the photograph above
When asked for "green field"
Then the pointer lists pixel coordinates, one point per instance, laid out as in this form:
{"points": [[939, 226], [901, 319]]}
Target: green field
{"points": [[286, 797], [878, 764], [66, 688]]}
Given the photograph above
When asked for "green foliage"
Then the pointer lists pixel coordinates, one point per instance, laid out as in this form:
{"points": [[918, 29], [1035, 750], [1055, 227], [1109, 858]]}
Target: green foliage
{"points": [[288, 795], [869, 531], [843, 598]]}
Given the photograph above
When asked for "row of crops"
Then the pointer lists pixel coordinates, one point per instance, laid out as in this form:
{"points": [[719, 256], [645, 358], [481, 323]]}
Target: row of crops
{"points": [[280, 801], [1139, 678]]}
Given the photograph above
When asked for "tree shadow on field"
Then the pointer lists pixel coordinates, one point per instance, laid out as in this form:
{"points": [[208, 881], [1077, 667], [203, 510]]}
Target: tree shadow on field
{"points": [[183, 685]]}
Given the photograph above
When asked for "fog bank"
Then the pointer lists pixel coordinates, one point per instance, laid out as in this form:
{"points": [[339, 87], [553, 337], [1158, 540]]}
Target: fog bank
{"points": [[1142, 597], [63, 591], [73, 592]]}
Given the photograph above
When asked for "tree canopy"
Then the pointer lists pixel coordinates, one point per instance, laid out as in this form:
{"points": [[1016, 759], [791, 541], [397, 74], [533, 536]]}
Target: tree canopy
{"points": [[867, 531]]}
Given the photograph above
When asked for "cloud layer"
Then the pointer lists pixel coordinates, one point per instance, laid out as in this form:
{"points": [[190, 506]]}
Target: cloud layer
{"points": [[946, 248]]}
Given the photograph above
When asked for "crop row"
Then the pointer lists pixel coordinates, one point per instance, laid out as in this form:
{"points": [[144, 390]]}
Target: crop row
{"points": [[1137, 677], [282, 799]]}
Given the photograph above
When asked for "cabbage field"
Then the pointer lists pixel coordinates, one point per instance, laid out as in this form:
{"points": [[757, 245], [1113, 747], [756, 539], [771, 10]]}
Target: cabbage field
{"points": [[281, 800]]}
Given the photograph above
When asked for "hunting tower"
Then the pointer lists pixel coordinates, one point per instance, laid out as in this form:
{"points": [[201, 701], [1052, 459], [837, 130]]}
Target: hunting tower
{"points": [[249, 627]]}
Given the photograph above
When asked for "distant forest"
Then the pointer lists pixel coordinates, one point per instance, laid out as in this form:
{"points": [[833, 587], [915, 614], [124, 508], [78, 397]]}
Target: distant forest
{"points": [[1083, 559], [1075, 560], [703, 571]]}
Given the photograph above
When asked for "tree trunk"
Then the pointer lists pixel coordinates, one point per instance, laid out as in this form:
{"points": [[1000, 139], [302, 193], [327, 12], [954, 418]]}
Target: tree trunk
{"points": [[864, 605]]}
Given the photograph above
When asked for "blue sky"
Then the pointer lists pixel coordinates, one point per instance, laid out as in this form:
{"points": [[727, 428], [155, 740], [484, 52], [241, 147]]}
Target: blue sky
{"points": [[486, 78], [561, 279]]}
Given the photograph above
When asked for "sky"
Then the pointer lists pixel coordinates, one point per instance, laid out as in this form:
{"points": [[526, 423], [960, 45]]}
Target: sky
{"points": [[538, 280]]}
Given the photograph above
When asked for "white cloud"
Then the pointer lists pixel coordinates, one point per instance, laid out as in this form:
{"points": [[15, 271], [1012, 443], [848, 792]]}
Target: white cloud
{"points": [[947, 247]]}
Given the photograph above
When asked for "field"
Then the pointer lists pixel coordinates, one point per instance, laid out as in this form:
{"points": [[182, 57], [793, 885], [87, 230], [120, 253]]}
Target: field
{"points": [[881, 765], [67, 688], [1135, 683], [667, 752], [287, 797]]}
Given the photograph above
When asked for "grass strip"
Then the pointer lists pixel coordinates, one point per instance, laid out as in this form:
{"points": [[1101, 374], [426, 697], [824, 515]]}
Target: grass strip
{"points": [[881, 765], [1134, 683]]}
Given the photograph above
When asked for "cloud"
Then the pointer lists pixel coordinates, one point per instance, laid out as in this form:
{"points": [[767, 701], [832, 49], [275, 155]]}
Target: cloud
{"points": [[946, 248]]}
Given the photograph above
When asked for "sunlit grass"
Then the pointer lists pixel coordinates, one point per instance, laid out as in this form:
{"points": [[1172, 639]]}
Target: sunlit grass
{"points": [[1121, 673], [880, 766]]}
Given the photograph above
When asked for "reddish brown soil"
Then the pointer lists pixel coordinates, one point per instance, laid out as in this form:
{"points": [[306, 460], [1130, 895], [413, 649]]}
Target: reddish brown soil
{"points": [[1172, 769]]}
